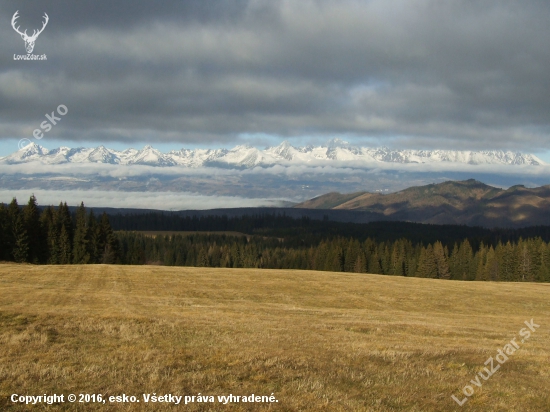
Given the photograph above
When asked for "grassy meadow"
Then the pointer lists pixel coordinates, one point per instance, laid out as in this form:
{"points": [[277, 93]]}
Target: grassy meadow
{"points": [[318, 341]]}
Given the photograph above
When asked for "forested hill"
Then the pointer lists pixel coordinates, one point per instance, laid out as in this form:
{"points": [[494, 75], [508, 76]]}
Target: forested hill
{"points": [[468, 202], [306, 231]]}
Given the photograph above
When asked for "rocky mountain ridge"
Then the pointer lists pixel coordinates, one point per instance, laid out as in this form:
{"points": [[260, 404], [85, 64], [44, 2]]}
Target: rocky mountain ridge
{"points": [[244, 157]]}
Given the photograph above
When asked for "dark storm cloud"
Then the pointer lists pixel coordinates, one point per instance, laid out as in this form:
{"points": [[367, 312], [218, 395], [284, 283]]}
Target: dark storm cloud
{"points": [[124, 14], [469, 74]]}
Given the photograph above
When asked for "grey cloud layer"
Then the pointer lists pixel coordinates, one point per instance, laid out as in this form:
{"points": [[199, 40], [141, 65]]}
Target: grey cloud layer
{"points": [[433, 73], [136, 200]]}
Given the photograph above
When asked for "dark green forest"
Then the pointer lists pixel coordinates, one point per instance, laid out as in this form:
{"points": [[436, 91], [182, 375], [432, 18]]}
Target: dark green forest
{"points": [[525, 260], [57, 236]]}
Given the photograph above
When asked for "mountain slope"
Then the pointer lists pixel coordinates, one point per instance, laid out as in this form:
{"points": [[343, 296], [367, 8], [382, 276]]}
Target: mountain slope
{"points": [[331, 201], [467, 202]]}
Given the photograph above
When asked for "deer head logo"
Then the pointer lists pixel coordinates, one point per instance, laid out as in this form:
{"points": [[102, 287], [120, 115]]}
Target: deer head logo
{"points": [[29, 40]]}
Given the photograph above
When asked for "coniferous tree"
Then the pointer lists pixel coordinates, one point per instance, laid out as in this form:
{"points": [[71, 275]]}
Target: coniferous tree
{"points": [[427, 264], [100, 241], [542, 272], [37, 239], [533, 245], [360, 263], [215, 255], [64, 219], [442, 264], [51, 231], [465, 265], [526, 269], [508, 262], [454, 263], [81, 236], [21, 243], [202, 258], [492, 267], [397, 260], [352, 254], [92, 246], [480, 259], [64, 256], [169, 257], [18, 236], [470, 257], [319, 254], [373, 263], [335, 259], [5, 228], [136, 251], [499, 258], [107, 242], [235, 255], [544, 268], [385, 257], [63, 230], [13, 213], [412, 261]]}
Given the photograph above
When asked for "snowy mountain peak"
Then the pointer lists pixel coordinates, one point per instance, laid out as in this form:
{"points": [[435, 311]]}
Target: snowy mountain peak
{"points": [[34, 149], [28, 153], [285, 150], [246, 156], [102, 155]]}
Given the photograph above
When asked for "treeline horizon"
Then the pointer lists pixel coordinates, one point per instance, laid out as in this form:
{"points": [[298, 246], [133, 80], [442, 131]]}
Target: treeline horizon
{"points": [[527, 260], [57, 236]]}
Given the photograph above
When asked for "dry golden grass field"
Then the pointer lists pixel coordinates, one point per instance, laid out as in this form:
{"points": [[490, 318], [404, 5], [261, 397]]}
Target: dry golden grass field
{"points": [[318, 341]]}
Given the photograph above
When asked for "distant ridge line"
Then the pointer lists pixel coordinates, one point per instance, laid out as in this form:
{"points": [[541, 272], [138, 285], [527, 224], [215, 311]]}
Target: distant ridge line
{"points": [[334, 152], [469, 202]]}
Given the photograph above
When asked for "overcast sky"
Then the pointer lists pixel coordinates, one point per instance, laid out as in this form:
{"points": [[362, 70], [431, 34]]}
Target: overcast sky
{"points": [[470, 74]]}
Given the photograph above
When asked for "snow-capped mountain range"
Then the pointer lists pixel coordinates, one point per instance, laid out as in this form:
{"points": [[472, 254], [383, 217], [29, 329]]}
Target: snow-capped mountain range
{"points": [[243, 157]]}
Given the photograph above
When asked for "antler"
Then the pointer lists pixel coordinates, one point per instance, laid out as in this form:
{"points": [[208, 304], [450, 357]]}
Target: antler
{"points": [[13, 22], [35, 33]]}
